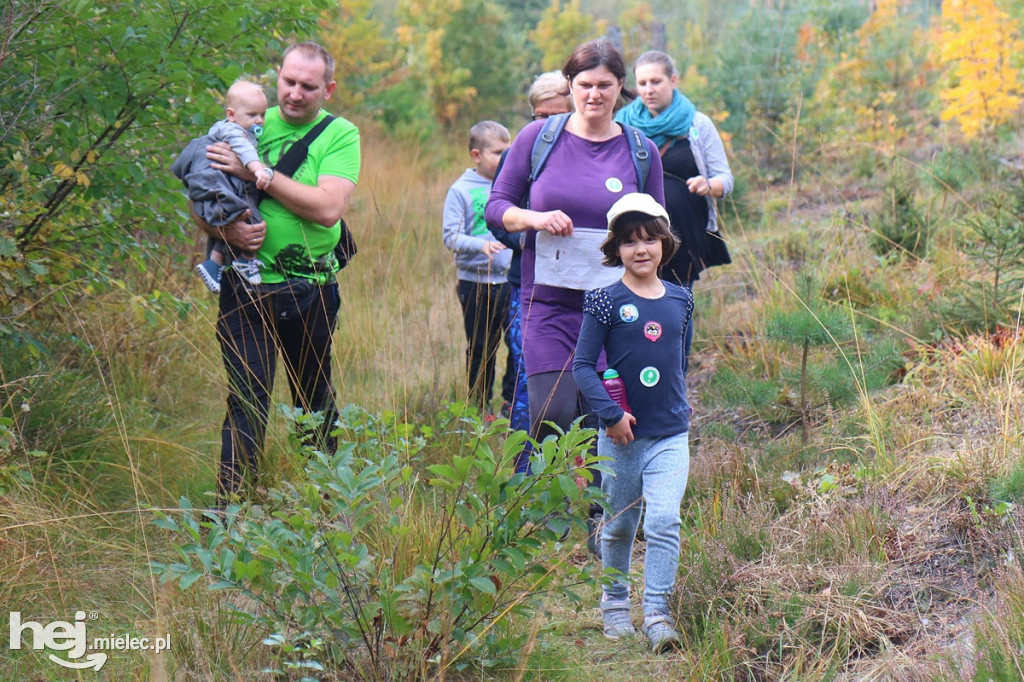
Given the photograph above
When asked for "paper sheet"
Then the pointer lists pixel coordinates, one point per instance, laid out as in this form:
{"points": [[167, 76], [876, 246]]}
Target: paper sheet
{"points": [[574, 262]]}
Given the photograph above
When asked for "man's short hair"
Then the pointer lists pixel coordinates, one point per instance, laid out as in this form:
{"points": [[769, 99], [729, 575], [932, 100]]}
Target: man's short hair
{"points": [[487, 131], [632, 225], [311, 50]]}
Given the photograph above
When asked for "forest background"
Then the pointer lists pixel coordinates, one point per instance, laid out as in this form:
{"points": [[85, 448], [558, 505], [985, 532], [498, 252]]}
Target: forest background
{"points": [[852, 512]]}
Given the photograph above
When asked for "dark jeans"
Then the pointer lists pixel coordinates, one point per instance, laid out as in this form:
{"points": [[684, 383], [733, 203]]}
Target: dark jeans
{"points": [[253, 324], [519, 415], [484, 314]]}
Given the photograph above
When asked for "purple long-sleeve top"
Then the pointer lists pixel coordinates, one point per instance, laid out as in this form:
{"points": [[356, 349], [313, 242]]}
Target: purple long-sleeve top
{"points": [[583, 179]]}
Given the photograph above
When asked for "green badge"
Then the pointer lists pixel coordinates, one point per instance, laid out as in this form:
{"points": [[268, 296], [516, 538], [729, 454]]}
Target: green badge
{"points": [[650, 376]]}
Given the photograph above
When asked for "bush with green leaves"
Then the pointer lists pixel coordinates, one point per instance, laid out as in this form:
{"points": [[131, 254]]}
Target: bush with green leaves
{"points": [[900, 226], [995, 246], [97, 100], [376, 564], [812, 321]]}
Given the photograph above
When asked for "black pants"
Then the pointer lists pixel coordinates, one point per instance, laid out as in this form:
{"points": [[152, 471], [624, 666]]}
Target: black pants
{"points": [[485, 319], [251, 327]]}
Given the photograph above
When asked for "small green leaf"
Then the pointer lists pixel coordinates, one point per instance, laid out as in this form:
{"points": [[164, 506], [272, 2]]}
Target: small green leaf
{"points": [[483, 584], [189, 578]]}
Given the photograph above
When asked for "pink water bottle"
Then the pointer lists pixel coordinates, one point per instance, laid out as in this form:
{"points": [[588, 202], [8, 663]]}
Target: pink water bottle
{"points": [[616, 388]]}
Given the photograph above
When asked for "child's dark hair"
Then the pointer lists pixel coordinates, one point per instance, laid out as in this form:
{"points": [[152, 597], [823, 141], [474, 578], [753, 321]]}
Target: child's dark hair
{"points": [[633, 225], [485, 132]]}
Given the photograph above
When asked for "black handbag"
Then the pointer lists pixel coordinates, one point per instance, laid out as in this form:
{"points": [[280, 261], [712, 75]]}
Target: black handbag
{"points": [[715, 250], [346, 246]]}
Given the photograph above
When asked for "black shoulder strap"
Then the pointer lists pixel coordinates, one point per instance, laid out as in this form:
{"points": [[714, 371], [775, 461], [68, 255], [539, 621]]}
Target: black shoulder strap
{"points": [[297, 153], [639, 153], [501, 164]]}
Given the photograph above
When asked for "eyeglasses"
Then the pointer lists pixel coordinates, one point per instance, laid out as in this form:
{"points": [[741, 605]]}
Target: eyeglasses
{"points": [[540, 117]]}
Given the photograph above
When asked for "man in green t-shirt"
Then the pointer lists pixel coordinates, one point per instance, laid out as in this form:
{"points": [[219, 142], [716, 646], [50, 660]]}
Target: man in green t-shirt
{"points": [[296, 307]]}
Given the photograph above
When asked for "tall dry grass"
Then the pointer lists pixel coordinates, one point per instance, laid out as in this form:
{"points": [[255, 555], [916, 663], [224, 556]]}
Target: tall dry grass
{"points": [[400, 345]]}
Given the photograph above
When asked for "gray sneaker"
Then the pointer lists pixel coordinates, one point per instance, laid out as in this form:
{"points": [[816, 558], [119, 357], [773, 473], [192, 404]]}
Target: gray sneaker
{"points": [[661, 633], [615, 615], [249, 269]]}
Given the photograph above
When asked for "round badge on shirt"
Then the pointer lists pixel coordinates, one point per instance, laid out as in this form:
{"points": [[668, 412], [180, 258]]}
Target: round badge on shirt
{"points": [[613, 184], [650, 376], [652, 330], [629, 313]]}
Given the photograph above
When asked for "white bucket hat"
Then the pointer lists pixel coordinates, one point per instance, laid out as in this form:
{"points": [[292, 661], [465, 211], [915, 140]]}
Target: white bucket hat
{"points": [[635, 202]]}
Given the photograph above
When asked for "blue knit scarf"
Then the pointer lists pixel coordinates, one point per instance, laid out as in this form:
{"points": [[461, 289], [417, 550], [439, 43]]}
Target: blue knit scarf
{"points": [[674, 122]]}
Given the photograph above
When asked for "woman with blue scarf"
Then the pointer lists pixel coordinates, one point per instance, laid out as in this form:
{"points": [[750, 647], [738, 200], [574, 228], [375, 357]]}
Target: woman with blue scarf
{"points": [[696, 169]]}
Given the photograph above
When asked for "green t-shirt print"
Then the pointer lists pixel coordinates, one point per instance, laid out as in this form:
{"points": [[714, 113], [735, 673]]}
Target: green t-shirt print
{"points": [[479, 195]]}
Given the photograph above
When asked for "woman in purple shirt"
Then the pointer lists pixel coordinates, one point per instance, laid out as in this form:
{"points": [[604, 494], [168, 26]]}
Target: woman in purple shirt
{"points": [[590, 166]]}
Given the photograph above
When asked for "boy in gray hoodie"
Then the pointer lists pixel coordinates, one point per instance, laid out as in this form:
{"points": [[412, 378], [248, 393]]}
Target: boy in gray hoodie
{"points": [[481, 264]]}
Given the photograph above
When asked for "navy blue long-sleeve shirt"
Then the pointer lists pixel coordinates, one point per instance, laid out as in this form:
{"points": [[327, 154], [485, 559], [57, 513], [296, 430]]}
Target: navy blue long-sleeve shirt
{"points": [[643, 341]]}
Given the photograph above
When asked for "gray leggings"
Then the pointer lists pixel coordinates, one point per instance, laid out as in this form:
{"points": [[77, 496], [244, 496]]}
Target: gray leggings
{"points": [[554, 397]]}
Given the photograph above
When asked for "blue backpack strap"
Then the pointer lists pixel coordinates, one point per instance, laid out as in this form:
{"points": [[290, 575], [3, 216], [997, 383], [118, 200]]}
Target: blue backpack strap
{"points": [[553, 127], [640, 154]]}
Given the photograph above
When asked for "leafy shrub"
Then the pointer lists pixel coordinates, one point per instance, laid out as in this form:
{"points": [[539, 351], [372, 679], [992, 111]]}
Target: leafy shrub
{"points": [[995, 246], [952, 170], [404, 109], [379, 567], [811, 322], [899, 225]]}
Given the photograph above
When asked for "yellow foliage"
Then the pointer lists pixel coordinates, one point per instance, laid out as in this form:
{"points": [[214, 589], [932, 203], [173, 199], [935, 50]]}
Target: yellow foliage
{"points": [[870, 92], [361, 50], [636, 23], [692, 81], [978, 43], [561, 29], [886, 12], [62, 171], [423, 32]]}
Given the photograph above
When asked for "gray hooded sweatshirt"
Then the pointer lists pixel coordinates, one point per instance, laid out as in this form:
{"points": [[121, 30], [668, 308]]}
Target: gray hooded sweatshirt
{"points": [[465, 231]]}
